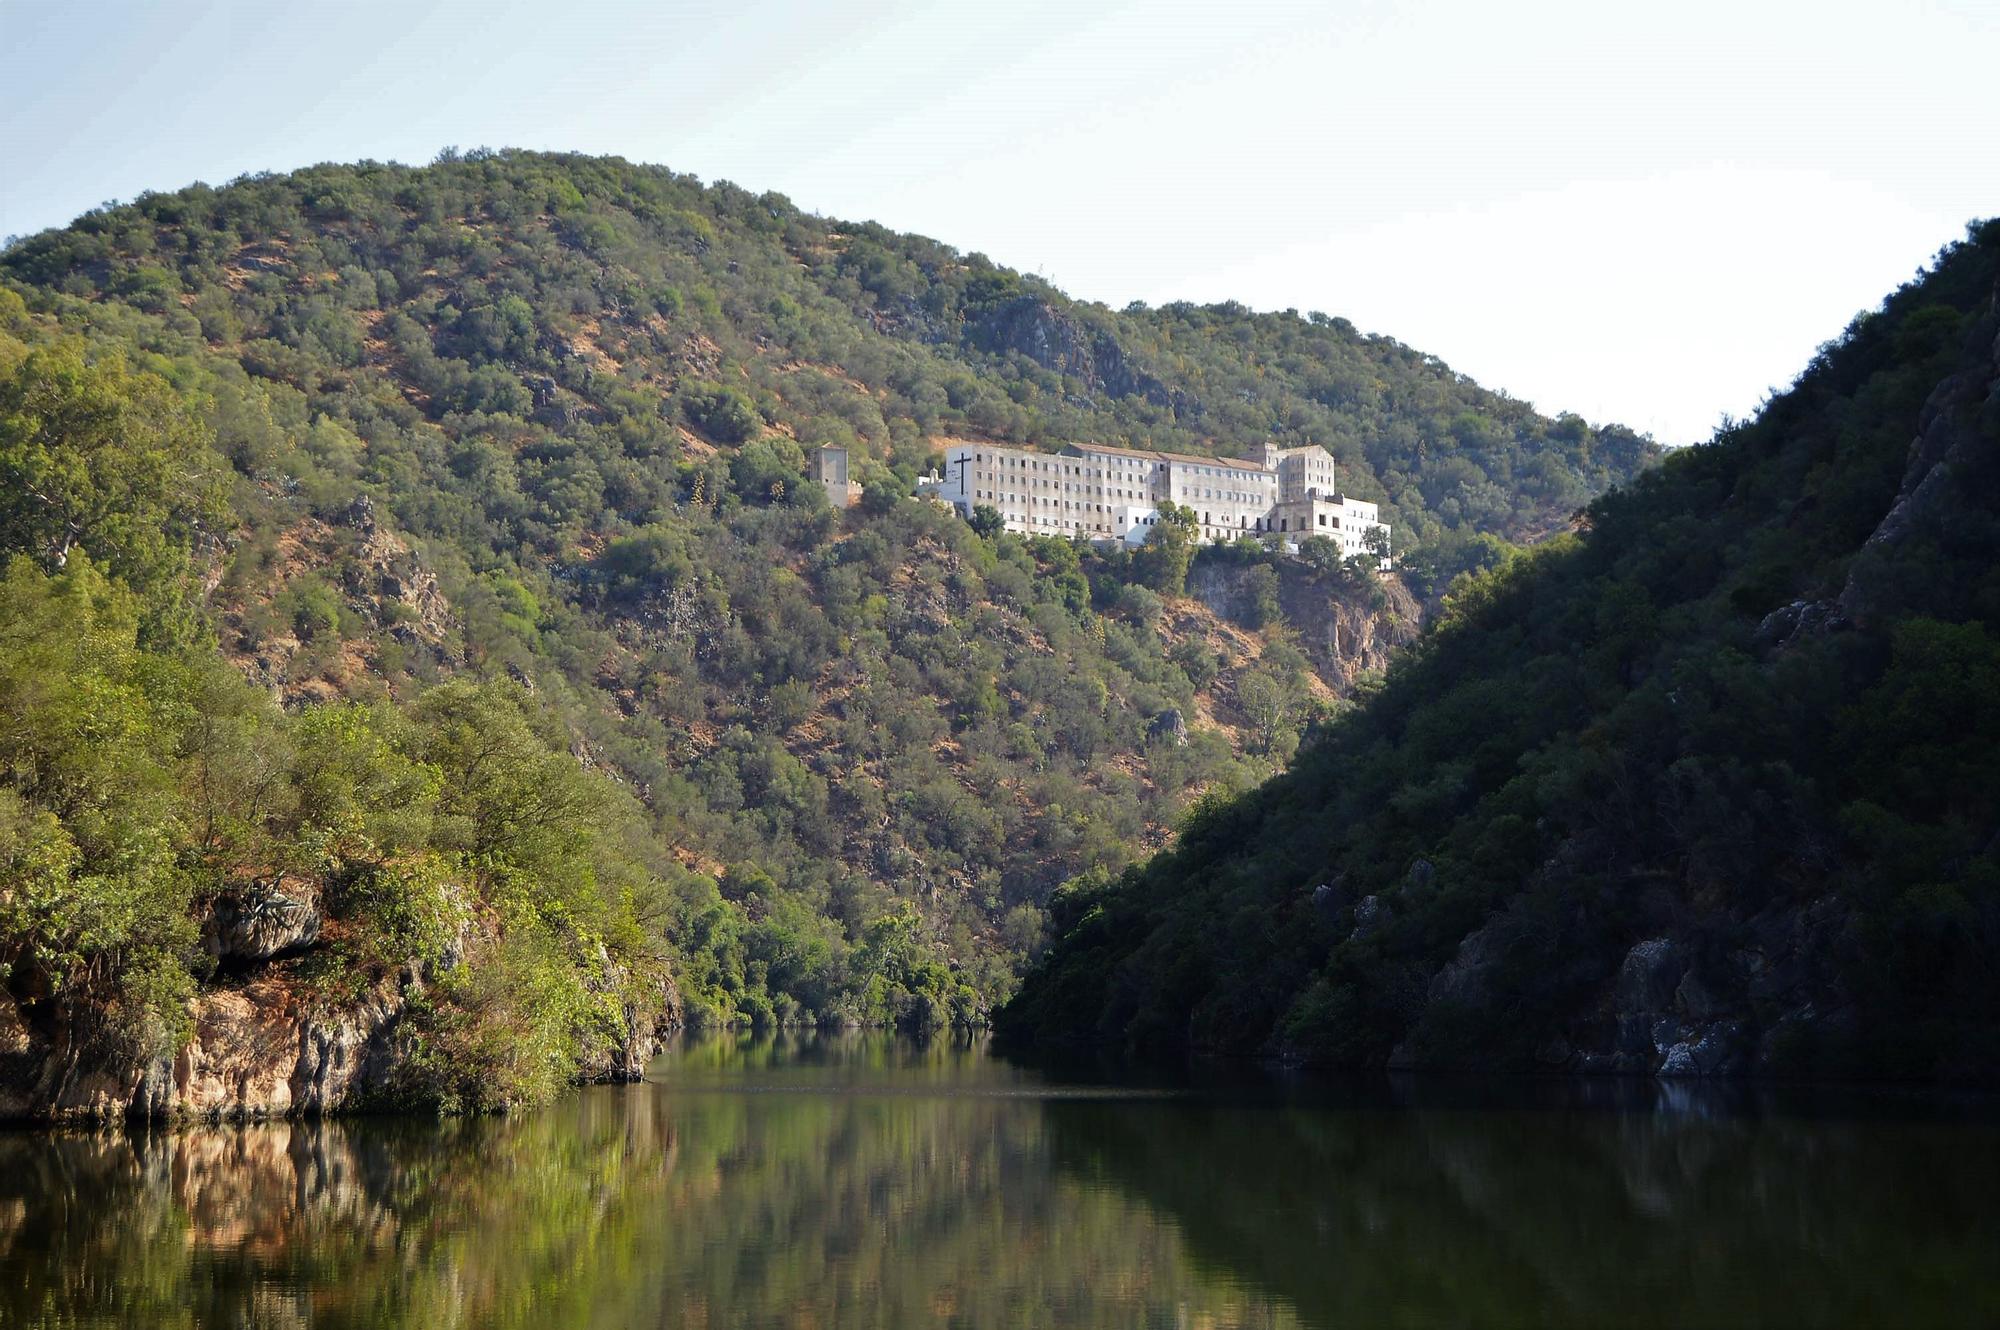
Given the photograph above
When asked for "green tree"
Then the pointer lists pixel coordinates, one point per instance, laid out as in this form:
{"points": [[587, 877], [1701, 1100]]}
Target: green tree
{"points": [[94, 902], [1261, 596], [1162, 562], [722, 413], [771, 471], [94, 455]]}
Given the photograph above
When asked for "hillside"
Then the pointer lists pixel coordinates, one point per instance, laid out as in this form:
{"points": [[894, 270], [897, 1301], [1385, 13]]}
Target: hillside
{"points": [[515, 296], [1708, 787], [510, 448]]}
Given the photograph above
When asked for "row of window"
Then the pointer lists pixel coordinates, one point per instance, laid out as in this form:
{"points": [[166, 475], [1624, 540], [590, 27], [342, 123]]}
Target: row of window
{"points": [[1208, 518], [1114, 492], [1057, 467], [1230, 496], [1208, 532], [1032, 499]]}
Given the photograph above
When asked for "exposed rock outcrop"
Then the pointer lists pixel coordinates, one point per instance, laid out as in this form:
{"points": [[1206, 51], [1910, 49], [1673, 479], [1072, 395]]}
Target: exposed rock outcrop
{"points": [[1345, 630], [257, 1051], [1675, 1005], [1956, 440], [1061, 342], [271, 917], [272, 1046]]}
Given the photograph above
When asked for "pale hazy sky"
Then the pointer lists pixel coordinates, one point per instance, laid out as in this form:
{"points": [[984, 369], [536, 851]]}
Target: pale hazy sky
{"points": [[1648, 213]]}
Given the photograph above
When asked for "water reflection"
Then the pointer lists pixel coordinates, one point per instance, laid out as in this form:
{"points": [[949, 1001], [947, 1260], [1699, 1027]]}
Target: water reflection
{"points": [[1568, 1218], [862, 1181]]}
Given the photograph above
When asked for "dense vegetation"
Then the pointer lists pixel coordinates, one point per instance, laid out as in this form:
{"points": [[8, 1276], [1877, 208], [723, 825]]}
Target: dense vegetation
{"points": [[512, 447], [1746, 717], [540, 309]]}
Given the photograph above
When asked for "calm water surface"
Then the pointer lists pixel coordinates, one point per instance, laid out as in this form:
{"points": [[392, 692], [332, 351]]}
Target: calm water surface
{"points": [[867, 1181]]}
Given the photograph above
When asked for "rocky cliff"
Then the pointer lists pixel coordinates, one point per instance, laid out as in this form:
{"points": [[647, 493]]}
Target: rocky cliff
{"points": [[284, 1035], [1060, 341], [1346, 627]]}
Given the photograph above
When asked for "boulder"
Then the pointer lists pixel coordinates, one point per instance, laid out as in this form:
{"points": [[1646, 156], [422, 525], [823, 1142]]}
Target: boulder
{"points": [[1171, 726], [1648, 977], [359, 514], [1714, 1051], [1371, 915], [1802, 618], [1330, 900], [269, 918]]}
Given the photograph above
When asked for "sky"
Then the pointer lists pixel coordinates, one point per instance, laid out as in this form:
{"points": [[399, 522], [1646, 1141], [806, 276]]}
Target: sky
{"points": [[1644, 213]]}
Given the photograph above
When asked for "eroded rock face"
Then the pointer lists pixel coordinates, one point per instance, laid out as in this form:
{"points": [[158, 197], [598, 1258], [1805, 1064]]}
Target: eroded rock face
{"points": [[1674, 1005], [1342, 631], [1648, 976], [1678, 1009], [269, 918], [626, 1058], [1371, 915], [1955, 444], [1800, 619], [644, 1017], [1060, 342], [258, 1051]]}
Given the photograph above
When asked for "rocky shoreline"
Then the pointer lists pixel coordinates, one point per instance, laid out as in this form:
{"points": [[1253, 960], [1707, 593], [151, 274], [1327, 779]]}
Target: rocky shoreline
{"points": [[257, 1052]]}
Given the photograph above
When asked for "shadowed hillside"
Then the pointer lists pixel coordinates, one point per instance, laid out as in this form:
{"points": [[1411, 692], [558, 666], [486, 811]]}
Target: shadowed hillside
{"points": [[1707, 787]]}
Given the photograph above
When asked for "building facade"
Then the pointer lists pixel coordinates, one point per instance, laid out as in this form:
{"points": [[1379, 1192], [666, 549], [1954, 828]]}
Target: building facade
{"points": [[1098, 492], [1302, 473], [1342, 520]]}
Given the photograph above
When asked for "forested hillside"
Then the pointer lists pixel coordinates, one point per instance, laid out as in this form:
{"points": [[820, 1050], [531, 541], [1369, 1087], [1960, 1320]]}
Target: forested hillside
{"points": [[424, 563], [1712, 785], [542, 308]]}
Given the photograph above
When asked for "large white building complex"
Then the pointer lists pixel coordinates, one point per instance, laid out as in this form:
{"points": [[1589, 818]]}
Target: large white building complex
{"points": [[1104, 493]]}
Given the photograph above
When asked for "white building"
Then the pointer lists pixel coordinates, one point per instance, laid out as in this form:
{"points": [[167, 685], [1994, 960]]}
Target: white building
{"points": [[1137, 523], [1342, 520], [1103, 493]]}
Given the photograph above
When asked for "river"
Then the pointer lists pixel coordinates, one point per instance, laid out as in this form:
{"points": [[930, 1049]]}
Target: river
{"points": [[864, 1180]]}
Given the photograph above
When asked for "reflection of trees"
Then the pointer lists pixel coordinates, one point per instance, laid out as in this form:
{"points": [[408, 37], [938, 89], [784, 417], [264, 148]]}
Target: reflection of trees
{"points": [[868, 1182], [1442, 1216], [888, 1195], [321, 1224]]}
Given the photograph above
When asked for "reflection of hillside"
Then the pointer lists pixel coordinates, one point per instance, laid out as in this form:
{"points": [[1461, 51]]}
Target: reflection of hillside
{"points": [[870, 1182], [1565, 1218], [863, 1182], [859, 1183], [365, 1224]]}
